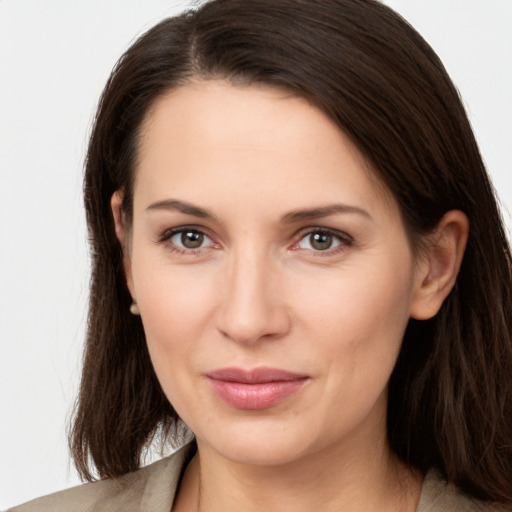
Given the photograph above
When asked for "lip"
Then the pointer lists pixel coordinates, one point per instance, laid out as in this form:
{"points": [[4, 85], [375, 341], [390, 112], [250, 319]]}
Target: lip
{"points": [[254, 389]]}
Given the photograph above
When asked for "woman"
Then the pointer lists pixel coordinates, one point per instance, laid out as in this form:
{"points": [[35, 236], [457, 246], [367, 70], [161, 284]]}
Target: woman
{"points": [[297, 251]]}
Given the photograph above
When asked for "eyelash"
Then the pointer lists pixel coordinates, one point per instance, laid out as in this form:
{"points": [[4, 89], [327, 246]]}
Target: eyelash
{"points": [[165, 238], [344, 240]]}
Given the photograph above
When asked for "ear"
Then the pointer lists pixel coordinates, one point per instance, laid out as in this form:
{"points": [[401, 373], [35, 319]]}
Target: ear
{"points": [[116, 204], [439, 266]]}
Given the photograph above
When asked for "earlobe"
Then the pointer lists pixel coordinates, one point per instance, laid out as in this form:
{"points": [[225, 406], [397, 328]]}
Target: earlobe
{"points": [[116, 204], [439, 267]]}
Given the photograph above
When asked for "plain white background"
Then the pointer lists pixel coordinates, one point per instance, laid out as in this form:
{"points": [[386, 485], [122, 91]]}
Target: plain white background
{"points": [[55, 57]]}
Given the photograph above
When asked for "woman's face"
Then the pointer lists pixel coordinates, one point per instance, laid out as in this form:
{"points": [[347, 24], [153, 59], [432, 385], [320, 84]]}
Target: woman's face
{"points": [[272, 272]]}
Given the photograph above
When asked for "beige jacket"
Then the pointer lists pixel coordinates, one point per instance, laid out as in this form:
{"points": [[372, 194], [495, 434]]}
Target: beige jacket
{"points": [[152, 489]]}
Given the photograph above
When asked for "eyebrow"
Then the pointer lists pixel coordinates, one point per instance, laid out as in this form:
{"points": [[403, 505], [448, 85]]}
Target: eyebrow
{"points": [[289, 218], [323, 211], [181, 206]]}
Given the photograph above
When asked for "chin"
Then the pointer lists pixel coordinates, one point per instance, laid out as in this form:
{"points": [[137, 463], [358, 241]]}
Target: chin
{"points": [[257, 443]]}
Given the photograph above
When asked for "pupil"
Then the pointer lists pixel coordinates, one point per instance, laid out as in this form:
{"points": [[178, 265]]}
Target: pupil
{"points": [[321, 241], [192, 239]]}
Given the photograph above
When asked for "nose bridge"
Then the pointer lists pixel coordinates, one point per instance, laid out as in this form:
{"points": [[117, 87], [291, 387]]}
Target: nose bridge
{"points": [[252, 307], [251, 278]]}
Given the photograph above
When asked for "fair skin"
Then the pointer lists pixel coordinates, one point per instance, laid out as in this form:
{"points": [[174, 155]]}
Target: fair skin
{"points": [[260, 239]]}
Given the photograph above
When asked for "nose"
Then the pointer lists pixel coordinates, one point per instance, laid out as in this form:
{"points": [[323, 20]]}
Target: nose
{"points": [[252, 307]]}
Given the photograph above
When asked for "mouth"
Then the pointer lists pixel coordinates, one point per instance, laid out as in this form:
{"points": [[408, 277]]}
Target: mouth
{"points": [[258, 388]]}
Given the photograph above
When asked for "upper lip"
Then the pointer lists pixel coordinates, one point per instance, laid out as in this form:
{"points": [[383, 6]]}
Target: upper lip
{"points": [[258, 375]]}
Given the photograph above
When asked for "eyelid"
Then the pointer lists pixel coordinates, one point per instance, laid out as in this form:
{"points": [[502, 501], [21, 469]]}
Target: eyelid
{"points": [[344, 238], [166, 235]]}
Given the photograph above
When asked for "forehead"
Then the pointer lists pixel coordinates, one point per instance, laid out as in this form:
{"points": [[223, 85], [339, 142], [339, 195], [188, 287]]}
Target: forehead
{"points": [[249, 139], [223, 113]]}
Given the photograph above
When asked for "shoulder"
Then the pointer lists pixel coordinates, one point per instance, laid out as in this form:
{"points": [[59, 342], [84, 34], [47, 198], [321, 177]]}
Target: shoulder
{"points": [[150, 488], [439, 496]]}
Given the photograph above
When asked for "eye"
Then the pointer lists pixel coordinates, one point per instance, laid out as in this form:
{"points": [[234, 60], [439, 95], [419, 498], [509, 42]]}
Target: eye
{"points": [[189, 239], [186, 239], [323, 240]]}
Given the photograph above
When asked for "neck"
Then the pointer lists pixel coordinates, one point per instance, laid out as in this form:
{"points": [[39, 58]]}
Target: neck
{"points": [[333, 478]]}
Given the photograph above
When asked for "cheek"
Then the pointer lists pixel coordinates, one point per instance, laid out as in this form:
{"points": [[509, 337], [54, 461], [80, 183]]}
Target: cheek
{"points": [[361, 315], [175, 304], [360, 300], [173, 317]]}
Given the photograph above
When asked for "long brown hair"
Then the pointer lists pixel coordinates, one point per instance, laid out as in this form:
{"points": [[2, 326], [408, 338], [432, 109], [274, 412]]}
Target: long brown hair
{"points": [[450, 396]]}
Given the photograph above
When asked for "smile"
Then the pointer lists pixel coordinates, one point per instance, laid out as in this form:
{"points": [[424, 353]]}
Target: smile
{"points": [[260, 388]]}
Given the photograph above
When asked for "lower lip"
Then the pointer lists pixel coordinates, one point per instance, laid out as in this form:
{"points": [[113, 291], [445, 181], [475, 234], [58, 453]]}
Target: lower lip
{"points": [[255, 396]]}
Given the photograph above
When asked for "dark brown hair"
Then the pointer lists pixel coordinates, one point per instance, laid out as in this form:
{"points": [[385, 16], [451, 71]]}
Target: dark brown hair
{"points": [[450, 398]]}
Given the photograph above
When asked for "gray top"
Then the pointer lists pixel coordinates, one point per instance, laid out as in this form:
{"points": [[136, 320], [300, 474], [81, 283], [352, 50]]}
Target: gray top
{"points": [[152, 489]]}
